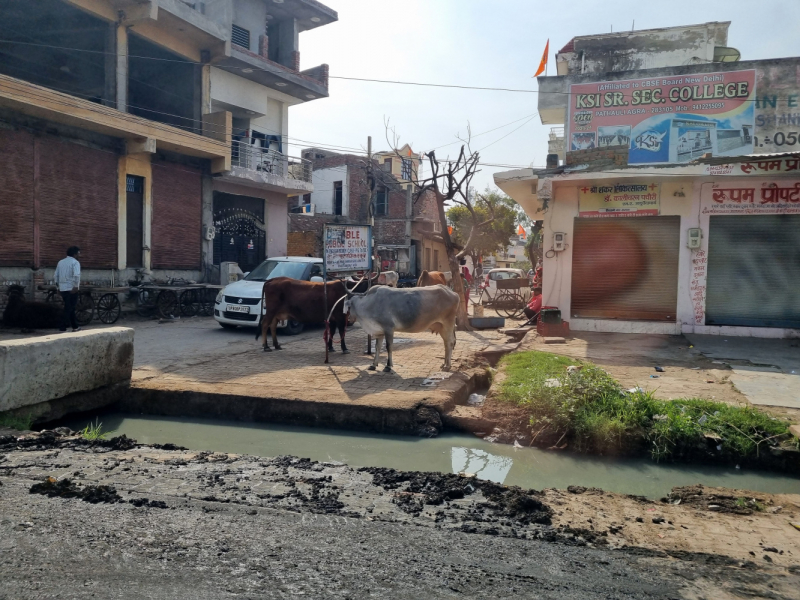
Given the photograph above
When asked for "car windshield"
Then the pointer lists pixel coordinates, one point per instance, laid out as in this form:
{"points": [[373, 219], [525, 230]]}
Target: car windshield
{"points": [[270, 269]]}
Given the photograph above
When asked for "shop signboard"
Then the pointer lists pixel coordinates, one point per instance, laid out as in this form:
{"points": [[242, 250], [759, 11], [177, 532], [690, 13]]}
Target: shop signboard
{"points": [[619, 200], [667, 119], [347, 248], [772, 197]]}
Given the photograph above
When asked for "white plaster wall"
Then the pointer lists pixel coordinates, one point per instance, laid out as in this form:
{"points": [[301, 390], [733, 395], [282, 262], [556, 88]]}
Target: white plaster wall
{"points": [[681, 197], [239, 92], [322, 196], [557, 284], [277, 226]]}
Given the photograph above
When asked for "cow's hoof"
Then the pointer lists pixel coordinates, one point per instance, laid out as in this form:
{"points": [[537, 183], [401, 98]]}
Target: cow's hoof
{"points": [[278, 347], [445, 368], [371, 368], [345, 351], [387, 369], [331, 350], [267, 349]]}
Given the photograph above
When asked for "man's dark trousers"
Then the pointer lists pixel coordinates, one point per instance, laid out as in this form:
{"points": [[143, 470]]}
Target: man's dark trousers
{"points": [[68, 318]]}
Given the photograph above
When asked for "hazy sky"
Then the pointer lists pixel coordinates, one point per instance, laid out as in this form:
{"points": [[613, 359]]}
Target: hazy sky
{"points": [[494, 43]]}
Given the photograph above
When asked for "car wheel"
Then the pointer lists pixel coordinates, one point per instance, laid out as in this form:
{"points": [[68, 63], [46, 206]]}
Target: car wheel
{"points": [[227, 325], [293, 328]]}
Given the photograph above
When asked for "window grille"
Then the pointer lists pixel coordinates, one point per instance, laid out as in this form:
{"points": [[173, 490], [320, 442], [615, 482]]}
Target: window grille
{"points": [[382, 202], [240, 36], [406, 170], [134, 184]]}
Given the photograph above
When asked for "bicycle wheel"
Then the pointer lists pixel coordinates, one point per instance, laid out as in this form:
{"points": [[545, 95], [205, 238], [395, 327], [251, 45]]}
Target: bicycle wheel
{"points": [[206, 297], [54, 297], [507, 303], [145, 303], [189, 302], [167, 304], [108, 308], [84, 310]]}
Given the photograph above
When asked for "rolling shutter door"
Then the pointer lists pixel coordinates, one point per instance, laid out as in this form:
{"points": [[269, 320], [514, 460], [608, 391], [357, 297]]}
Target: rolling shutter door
{"points": [[78, 203], [177, 217], [626, 268], [753, 271], [16, 198]]}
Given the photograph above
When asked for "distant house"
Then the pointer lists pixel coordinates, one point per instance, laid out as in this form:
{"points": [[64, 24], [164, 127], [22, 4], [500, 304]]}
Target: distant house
{"points": [[407, 234]]}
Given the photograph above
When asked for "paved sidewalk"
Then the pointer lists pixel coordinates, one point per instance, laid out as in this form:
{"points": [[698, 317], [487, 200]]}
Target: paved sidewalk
{"points": [[197, 355]]}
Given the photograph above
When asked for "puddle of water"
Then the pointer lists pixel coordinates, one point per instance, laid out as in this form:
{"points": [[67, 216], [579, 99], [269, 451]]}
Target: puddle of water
{"points": [[448, 453]]}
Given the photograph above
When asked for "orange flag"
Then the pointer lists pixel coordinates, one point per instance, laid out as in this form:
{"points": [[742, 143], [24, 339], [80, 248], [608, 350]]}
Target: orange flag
{"points": [[543, 64], [521, 231]]}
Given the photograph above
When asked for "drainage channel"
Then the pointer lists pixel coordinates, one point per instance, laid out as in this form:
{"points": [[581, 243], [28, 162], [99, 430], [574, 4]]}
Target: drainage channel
{"points": [[449, 452]]}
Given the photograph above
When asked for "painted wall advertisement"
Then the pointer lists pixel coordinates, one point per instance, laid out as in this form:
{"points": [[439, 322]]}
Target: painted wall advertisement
{"points": [[619, 200], [348, 248], [672, 119]]}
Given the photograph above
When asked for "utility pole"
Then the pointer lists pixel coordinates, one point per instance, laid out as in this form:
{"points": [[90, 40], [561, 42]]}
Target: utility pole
{"points": [[371, 215]]}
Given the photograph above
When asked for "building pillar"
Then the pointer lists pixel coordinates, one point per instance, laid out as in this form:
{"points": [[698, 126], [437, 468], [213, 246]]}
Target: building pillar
{"points": [[208, 222], [122, 68], [288, 43], [110, 67], [409, 212]]}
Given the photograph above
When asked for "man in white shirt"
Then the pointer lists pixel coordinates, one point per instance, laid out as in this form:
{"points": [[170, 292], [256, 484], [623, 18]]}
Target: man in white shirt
{"points": [[68, 280]]}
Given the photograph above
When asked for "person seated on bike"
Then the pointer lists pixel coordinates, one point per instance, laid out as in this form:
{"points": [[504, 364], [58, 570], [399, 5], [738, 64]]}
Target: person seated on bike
{"points": [[535, 305]]}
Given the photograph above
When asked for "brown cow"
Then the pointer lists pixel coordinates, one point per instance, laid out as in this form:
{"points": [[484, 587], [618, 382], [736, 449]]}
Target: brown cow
{"points": [[286, 298], [431, 278]]}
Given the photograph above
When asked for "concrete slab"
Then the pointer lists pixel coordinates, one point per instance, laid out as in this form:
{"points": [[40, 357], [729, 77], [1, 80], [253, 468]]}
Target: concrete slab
{"points": [[193, 365], [768, 388], [39, 369], [766, 371]]}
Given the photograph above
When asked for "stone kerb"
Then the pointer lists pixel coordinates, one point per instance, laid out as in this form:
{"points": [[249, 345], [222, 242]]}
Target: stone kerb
{"points": [[41, 369]]}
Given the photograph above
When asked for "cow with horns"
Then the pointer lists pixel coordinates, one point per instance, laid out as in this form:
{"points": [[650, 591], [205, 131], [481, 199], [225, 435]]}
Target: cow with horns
{"points": [[284, 298], [382, 311]]}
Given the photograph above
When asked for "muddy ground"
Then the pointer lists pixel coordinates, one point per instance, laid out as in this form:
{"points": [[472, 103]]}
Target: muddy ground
{"points": [[121, 520]]}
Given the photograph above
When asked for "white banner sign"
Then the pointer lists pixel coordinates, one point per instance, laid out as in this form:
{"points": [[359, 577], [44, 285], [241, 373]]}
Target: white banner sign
{"points": [[347, 248]]}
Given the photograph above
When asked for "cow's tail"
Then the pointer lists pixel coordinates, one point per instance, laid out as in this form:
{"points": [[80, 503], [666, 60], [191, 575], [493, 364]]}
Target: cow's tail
{"points": [[263, 306]]}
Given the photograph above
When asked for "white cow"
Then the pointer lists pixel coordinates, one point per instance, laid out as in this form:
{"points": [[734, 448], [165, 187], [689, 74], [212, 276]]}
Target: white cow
{"points": [[383, 310]]}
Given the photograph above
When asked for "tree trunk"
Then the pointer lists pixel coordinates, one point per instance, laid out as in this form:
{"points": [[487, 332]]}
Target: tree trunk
{"points": [[462, 319]]}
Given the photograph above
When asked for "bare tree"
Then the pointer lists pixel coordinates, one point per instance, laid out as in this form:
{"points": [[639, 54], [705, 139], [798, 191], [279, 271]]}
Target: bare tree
{"points": [[449, 181]]}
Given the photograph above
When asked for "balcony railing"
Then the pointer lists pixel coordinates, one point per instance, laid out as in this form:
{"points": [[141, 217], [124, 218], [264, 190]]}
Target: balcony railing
{"points": [[247, 156]]}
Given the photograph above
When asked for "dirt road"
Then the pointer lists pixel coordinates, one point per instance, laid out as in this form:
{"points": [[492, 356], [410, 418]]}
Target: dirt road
{"points": [[178, 524]]}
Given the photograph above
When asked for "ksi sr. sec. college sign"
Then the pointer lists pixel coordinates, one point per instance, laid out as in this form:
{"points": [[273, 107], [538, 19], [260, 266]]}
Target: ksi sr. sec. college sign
{"points": [[672, 119]]}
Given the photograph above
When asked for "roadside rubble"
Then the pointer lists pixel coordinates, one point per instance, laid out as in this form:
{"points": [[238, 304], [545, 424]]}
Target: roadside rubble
{"points": [[188, 491]]}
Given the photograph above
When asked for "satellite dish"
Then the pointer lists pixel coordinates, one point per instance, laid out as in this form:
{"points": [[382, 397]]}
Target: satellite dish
{"points": [[726, 54]]}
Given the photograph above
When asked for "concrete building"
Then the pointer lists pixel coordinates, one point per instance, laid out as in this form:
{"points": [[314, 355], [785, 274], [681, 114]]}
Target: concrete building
{"points": [[678, 206], [151, 133], [407, 234]]}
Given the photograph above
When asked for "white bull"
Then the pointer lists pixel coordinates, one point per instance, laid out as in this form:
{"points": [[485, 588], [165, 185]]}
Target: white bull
{"points": [[389, 278], [382, 311]]}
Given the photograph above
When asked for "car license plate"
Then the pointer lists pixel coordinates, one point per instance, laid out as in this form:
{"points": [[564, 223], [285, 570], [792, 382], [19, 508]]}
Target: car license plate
{"points": [[237, 308]]}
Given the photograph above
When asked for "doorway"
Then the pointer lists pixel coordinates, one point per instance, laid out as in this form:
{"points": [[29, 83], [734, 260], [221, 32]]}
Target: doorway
{"points": [[241, 230], [134, 221]]}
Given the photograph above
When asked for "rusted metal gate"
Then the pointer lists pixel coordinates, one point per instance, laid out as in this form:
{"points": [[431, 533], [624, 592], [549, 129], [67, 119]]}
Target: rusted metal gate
{"points": [[625, 268], [177, 216]]}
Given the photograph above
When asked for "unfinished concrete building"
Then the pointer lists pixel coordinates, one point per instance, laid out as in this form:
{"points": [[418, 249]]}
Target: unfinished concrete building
{"points": [[151, 133]]}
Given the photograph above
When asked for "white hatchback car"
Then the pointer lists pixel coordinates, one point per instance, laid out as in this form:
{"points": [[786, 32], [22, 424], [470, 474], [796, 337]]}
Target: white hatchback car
{"points": [[489, 285], [239, 304]]}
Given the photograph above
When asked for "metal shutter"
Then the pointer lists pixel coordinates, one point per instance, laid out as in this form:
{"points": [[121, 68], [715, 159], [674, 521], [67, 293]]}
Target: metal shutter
{"points": [[625, 268], [753, 271], [177, 217], [16, 198], [78, 203]]}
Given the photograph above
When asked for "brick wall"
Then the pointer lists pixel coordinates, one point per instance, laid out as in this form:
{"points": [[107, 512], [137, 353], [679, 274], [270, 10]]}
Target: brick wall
{"points": [[612, 156], [302, 243], [390, 231]]}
